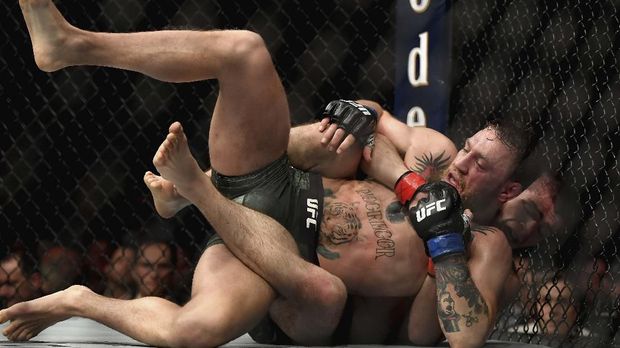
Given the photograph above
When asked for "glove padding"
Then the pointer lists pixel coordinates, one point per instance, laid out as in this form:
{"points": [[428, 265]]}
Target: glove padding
{"points": [[354, 118], [438, 220], [407, 185]]}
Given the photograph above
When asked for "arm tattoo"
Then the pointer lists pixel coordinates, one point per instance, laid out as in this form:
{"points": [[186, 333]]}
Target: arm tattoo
{"points": [[453, 272], [447, 313], [431, 166]]}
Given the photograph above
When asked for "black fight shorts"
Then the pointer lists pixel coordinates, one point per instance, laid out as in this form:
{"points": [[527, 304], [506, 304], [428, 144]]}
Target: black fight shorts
{"points": [[292, 197]]}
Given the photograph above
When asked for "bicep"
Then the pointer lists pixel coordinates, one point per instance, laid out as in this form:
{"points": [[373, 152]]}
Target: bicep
{"points": [[396, 131], [417, 144]]}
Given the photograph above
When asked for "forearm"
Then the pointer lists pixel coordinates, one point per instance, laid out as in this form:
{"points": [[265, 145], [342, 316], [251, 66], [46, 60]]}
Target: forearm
{"points": [[386, 165], [463, 312]]}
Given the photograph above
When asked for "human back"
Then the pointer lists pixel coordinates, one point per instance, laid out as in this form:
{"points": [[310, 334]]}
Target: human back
{"points": [[366, 240], [365, 237]]}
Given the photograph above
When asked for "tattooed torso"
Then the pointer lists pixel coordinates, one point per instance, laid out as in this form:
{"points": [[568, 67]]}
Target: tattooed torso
{"points": [[367, 241], [365, 237]]}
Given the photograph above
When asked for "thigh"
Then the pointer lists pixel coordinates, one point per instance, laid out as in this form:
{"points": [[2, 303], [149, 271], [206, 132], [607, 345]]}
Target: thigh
{"points": [[228, 299], [251, 122]]}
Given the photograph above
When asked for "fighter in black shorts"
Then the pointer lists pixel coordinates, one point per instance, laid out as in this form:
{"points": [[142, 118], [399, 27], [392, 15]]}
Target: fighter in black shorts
{"points": [[294, 198]]}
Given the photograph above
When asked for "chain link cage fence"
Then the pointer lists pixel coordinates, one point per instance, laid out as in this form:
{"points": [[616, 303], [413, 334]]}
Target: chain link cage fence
{"points": [[76, 143]]}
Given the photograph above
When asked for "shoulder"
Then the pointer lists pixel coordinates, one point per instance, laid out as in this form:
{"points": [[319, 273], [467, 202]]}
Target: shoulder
{"points": [[490, 243]]}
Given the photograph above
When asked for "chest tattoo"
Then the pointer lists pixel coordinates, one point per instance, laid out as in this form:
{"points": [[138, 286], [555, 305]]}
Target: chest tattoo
{"points": [[385, 244], [394, 212], [339, 225]]}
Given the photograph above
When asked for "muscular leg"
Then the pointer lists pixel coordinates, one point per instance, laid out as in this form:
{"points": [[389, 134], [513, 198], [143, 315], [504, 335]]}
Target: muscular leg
{"points": [[250, 123], [310, 291], [227, 300], [249, 129]]}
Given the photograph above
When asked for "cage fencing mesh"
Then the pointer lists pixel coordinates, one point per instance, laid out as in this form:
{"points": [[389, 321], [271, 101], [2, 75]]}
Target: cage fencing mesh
{"points": [[75, 143], [554, 65]]}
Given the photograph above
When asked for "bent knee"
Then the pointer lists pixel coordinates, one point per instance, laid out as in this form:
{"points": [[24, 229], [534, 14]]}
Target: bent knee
{"points": [[247, 47], [325, 290]]}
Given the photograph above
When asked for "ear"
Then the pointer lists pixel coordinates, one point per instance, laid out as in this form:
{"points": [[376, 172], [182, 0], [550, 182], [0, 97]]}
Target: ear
{"points": [[510, 190]]}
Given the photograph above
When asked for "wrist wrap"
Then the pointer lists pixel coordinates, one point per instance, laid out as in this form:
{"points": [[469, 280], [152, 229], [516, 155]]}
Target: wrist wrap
{"points": [[446, 244], [407, 185]]}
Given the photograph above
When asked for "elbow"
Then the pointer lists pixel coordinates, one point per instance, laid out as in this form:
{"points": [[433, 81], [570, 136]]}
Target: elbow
{"points": [[467, 342], [470, 339]]}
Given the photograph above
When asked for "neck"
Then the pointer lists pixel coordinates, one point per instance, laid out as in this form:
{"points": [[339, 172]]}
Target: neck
{"points": [[486, 215]]}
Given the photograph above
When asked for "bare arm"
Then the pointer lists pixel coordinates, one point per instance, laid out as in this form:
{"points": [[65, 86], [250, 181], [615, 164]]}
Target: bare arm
{"points": [[386, 165], [421, 330], [418, 149], [312, 147], [468, 291], [423, 150]]}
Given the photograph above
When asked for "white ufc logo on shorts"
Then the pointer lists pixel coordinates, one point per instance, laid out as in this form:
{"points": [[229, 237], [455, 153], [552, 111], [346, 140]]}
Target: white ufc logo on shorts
{"points": [[312, 208], [428, 209]]}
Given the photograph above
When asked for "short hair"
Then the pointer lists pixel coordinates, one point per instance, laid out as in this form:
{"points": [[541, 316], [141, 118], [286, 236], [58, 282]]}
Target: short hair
{"points": [[521, 139]]}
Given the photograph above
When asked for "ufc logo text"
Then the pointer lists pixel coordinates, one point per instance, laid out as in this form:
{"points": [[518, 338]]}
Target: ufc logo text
{"points": [[312, 206], [427, 210]]}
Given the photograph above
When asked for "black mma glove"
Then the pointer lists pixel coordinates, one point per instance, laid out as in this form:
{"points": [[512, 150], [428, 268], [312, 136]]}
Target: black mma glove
{"points": [[439, 220], [354, 118]]}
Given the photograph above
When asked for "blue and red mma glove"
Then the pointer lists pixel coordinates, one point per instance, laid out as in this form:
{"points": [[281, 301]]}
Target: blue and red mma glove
{"points": [[407, 185], [438, 219]]}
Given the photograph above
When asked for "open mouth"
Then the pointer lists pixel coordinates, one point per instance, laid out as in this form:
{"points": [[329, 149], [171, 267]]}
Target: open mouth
{"points": [[451, 179]]}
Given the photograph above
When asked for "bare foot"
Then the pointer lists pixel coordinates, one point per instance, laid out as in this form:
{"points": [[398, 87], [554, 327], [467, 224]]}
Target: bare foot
{"points": [[50, 34], [167, 200], [29, 318], [175, 162]]}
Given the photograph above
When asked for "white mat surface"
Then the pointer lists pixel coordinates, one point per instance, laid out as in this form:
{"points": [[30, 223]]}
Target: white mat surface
{"points": [[85, 333]]}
